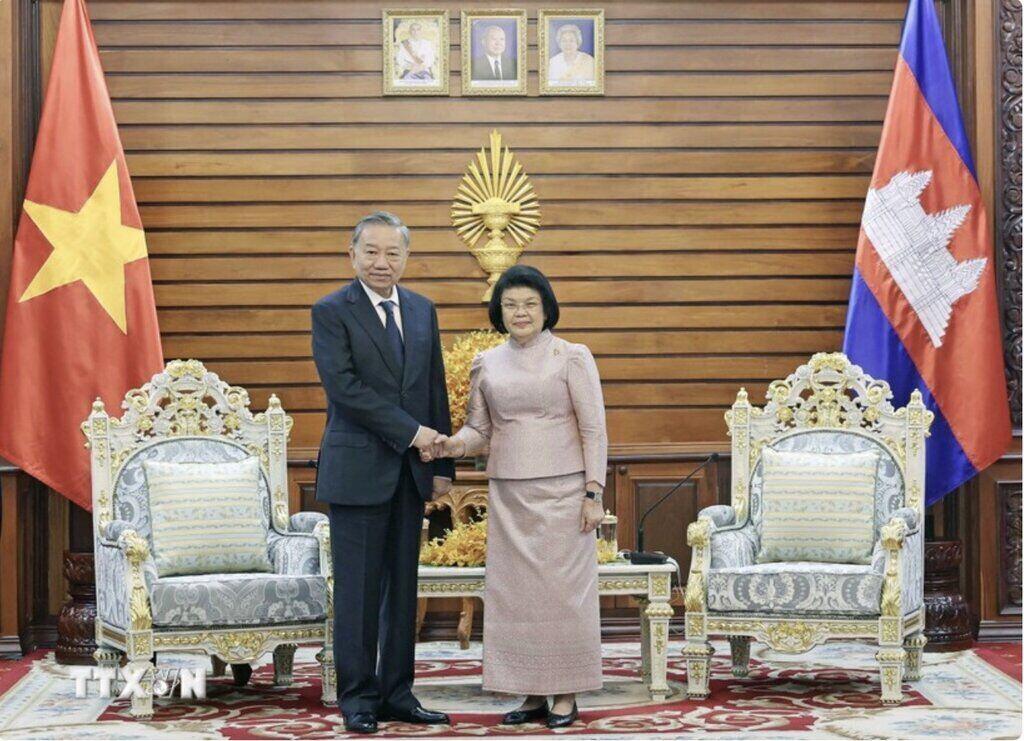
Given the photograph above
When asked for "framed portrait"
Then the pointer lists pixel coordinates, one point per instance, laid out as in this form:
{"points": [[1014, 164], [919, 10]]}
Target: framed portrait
{"points": [[571, 48], [494, 52], [416, 52]]}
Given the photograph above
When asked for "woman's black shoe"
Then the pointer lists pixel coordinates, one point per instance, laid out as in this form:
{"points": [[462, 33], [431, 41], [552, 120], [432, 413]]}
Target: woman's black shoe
{"points": [[519, 716], [562, 721]]}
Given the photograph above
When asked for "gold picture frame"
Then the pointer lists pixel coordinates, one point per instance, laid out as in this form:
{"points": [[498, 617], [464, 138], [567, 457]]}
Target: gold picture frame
{"points": [[417, 50], [584, 28], [478, 76]]}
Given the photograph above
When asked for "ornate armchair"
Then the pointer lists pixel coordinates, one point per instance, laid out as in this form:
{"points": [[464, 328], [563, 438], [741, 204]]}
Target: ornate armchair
{"points": [[827, 406], [186, 414]]}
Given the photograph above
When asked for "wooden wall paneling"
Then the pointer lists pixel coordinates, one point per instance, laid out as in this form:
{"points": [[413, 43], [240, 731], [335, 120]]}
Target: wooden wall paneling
{"points": [[19, 102], [755, 162], [18, 105], [17, 525], [367, 60], [158, 10], [993, 538], [9, 145], [618, 32], [1008, 498], [641, 480], [302, 483], [699, 220], [49, 22], [58, 519]]}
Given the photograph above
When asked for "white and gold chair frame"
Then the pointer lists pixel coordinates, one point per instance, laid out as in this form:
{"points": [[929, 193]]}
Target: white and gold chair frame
{"points": [[185, 402], [827, 395]]}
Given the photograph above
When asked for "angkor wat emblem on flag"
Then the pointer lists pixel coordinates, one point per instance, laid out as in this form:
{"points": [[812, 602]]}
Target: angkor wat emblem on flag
{"points": [[914, 245]]}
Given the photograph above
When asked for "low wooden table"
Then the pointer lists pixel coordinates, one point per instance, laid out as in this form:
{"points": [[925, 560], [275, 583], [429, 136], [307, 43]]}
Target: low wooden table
{"points": [[651, 585]]}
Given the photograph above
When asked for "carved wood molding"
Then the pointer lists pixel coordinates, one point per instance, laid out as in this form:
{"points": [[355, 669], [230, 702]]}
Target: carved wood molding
{"points": [[1010, 549], [1008, 189]]}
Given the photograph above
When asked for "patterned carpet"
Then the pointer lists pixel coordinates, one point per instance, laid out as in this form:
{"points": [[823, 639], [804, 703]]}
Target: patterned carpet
{"points": [[832, 692]]}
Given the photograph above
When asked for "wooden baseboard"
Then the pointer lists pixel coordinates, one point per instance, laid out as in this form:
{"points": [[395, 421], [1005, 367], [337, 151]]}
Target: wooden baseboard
{"points": [[40, 635], [993, 631], [11, 647]]}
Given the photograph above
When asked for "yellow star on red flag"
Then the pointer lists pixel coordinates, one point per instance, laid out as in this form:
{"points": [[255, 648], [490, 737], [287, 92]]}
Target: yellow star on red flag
{"points": [[90, 245]]}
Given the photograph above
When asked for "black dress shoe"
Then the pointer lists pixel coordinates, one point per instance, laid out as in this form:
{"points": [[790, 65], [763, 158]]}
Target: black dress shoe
{"points": [[361, 723], [519, 716], [417, 715], [562, 721]]}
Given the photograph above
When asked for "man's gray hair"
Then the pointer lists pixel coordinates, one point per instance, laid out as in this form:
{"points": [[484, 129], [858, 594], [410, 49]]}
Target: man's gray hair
{"points": [[494, 28], [382, 218]]}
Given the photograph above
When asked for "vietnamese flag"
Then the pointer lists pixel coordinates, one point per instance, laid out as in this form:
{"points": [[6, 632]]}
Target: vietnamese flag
{"points": [[81, 319]]}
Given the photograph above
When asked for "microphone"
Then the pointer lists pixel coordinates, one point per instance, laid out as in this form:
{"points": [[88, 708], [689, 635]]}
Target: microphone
{"points": [[640, 556]]}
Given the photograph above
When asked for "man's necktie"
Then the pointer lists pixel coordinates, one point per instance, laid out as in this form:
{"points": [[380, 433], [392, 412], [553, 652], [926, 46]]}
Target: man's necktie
{"points": [[497, 70], [391, 329]]}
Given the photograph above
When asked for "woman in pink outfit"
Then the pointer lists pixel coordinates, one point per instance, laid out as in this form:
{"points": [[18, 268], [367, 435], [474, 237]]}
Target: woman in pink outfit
{"points": [[536, 404]]}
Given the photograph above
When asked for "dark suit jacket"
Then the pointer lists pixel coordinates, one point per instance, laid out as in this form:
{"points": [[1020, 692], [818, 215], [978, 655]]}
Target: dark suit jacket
{"points": [[373, 412], [482, 70]]}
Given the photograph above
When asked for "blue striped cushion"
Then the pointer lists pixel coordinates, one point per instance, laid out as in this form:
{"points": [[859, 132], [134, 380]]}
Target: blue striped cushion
{"points": [[818, 507], [206, 517]]}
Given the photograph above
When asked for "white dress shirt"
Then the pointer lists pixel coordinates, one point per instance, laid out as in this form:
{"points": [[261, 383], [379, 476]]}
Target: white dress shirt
{"points": [[495, 63], [376, 299]]}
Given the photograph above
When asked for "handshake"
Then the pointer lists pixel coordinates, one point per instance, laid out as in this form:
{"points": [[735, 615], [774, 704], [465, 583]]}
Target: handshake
{"points": [[432, 444]]}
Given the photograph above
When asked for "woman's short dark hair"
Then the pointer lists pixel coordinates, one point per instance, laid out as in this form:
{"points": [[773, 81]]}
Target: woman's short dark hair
{"points": [[525, 277]]}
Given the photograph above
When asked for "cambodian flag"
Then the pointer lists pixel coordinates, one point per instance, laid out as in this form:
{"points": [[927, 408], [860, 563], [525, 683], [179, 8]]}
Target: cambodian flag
{"points": [[923, 310]]}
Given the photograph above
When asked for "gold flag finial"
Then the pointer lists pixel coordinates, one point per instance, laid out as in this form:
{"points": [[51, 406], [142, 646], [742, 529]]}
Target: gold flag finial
{"points": [[496, 196]]}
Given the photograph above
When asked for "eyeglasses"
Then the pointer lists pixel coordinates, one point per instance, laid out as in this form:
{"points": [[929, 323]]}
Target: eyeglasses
{"points": [[530, 306]]}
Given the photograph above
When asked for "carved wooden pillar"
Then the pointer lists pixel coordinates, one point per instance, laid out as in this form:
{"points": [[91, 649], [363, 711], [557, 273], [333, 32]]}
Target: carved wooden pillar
{"points": [[76, 624], [992, 521], [1010, 547], [1007, 206], [947, 614]]}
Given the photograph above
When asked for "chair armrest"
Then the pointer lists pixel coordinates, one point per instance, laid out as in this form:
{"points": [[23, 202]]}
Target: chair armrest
{"points": [[295, 554], [112, 584], [698, 537], [125, 573], [903, 584], [113, 532], [304, 522], [322, 533], [733, 547], [722, 515], [912, 572], [730, 546], [909, 517]]}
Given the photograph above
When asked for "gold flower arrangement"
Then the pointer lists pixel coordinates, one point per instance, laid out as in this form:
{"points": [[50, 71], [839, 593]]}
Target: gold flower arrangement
{"points": [[466, 545], [457, 362], [463, 545]]}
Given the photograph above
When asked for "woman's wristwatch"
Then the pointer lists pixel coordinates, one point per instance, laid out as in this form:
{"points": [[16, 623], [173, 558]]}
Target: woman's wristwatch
{"points": [[594, 495]]}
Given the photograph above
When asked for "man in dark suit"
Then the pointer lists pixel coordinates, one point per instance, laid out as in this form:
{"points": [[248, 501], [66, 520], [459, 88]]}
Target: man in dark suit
{"points": [[493, 63], [377, 349]]}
